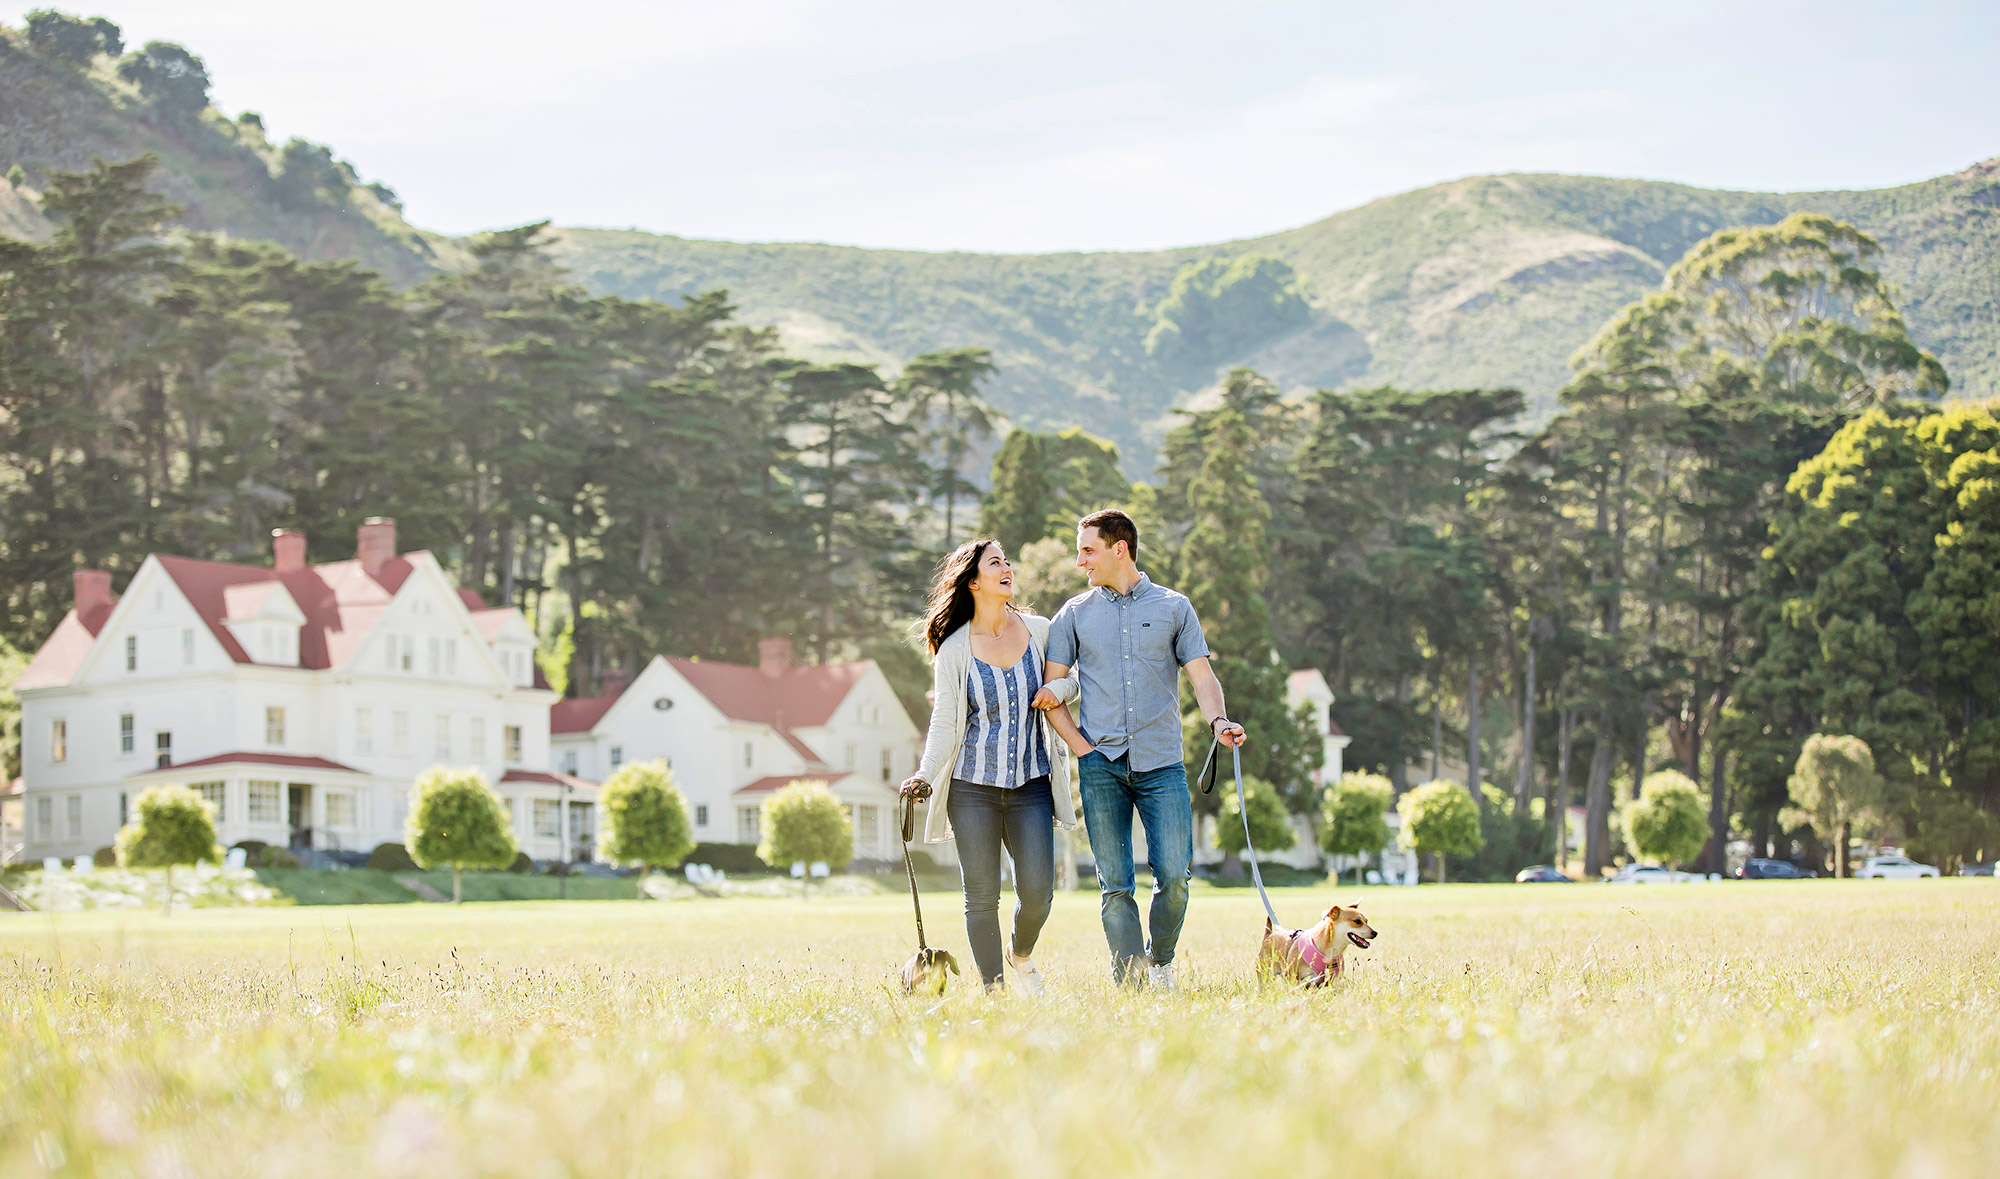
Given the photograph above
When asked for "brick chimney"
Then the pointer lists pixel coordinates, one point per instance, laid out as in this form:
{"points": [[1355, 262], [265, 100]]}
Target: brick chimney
{"points": [[92, 588], [288, 550], [774, 655], [375, 544]]}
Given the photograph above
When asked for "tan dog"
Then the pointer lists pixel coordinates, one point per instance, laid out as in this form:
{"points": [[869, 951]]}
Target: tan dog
{"points": [[1314, 956], [924, 973]]}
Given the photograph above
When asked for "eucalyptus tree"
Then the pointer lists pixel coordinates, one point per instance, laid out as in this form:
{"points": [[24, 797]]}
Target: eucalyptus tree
{"points": [[938, 393]]}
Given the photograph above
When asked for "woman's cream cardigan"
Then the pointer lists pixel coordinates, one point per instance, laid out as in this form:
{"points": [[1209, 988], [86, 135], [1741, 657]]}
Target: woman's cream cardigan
{"points": [[947, 732]]}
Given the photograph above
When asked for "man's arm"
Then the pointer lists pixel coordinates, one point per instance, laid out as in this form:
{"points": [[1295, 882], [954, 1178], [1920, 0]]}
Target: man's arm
{"points": [[1058, 688], [1208, 694]]}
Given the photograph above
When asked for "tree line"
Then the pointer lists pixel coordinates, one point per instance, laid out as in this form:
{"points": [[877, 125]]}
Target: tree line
{"points": [[641, 477]]}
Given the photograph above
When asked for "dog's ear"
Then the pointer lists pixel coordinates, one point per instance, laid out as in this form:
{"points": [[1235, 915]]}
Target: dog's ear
{"points": [[1333, 911], [950, 962]]}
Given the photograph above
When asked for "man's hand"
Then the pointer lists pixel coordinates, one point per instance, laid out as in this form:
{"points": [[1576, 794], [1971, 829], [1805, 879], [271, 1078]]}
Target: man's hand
{"points": [[1228, 732], [914, 788], [1045, 700]]}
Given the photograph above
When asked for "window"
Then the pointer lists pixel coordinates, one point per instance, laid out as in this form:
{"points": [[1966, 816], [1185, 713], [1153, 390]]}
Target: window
{"points": [[399, 733], [569, 761], [364, 730], [867, 826], [274, 725], [124, 809], [409, 653], [163, 750], [340, 808], [513, 737], [451, 657], [187, 647], [847, 760], [617, 756], [747, 748], [217, 796], [126, 740], [747, 821], [59, 741], [264, 803], [477, 738], [436, 663], [45, 820], [701, 815], [888, 768], [548, 819], [443, 737], [131, 652], [74, 806], [389, 652], [582, 829]]}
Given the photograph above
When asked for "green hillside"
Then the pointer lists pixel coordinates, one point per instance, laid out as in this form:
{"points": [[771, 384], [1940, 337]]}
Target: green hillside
{"points": [[1492, 280], [57, 115]]}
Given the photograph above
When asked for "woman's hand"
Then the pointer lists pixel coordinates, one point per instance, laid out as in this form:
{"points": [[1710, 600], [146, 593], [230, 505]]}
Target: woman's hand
{"points": [[914, 788]]}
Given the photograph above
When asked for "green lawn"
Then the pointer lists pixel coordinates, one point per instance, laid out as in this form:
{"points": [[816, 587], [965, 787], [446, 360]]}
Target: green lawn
{"points": [[1834, 1028]]}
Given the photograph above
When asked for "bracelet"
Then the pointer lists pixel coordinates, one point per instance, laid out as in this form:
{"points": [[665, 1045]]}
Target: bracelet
{"points": [[1219, 720]]}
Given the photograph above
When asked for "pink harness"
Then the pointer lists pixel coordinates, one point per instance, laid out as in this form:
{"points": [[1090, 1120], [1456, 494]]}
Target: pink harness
{"points": [[1318, 965]]}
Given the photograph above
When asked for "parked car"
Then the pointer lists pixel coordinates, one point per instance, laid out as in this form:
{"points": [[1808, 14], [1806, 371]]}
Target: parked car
{"points": [[1895, 868], [1758, 869], [1642, 874], [1985, 869], [1541, 874]]}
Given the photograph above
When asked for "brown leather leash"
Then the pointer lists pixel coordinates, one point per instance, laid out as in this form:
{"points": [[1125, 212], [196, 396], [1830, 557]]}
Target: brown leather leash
{"points": [[910, 801]]}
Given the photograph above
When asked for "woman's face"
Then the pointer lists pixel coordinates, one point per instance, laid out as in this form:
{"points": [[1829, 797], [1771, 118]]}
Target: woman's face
{"points": [[995, 577]]}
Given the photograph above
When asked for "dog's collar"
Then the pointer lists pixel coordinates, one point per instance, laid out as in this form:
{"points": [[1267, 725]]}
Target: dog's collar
{"points": [[1317, 964]]}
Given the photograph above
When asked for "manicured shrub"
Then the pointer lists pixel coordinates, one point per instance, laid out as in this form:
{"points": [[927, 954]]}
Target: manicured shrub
{"points": [[171, 826], [455, 818], [391, 857], [1441, 819], [730, 857], [805, 822], [1353, 818], [642, 819]]}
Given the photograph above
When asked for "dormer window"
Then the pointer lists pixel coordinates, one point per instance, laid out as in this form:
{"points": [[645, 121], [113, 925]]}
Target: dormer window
{"points": [[265, 621]]}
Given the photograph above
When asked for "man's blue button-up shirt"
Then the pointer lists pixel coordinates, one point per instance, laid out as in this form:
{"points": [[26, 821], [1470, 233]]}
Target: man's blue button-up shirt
{"points": [[1126, 652]]}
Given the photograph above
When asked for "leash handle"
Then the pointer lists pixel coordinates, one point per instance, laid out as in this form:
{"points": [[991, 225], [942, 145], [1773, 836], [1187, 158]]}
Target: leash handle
{"points": [[909, 829], [1243, 811]]}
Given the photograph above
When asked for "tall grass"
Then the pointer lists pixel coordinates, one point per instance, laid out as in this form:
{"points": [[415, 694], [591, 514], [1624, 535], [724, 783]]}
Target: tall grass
{"points": [[1778, 1028]]}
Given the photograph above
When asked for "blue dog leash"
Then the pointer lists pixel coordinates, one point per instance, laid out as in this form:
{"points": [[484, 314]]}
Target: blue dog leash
{"points": [[1208, 770]]}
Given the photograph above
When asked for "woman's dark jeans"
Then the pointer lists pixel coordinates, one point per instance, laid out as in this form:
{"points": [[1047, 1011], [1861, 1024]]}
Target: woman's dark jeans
{"points": [[982, 819]]}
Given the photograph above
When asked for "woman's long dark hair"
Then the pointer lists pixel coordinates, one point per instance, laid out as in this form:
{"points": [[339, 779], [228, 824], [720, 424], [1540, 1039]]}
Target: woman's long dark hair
{"points": [[950, 604]]}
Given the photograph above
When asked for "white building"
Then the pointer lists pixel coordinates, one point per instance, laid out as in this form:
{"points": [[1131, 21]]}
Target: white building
{"points": [[733, 734], [302, 700], [1310, 688]]}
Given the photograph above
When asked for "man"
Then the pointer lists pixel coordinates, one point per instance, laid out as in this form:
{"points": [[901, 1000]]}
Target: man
{"points": [[1128, 641]]}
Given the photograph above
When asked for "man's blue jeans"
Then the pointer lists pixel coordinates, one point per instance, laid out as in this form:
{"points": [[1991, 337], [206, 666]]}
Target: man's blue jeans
{"points": [[1111, 792]]}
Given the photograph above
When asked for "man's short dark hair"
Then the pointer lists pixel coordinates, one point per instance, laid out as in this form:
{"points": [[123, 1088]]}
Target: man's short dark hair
{"points": [[1114, 526]]}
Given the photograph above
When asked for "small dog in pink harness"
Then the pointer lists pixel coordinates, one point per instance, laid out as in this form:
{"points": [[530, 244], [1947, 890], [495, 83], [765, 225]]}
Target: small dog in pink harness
{"points": [[1315, 955]]}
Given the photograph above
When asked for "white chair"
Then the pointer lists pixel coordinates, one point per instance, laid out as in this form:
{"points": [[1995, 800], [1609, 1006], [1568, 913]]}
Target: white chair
{"points": [[52, 865]]}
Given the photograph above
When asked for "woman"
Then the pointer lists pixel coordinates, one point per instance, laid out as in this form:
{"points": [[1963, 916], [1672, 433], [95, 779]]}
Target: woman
{"points": [[993, 776]]}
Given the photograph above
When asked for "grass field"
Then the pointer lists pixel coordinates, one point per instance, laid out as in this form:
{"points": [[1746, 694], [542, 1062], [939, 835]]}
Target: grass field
{"points": [[1816, 1028]]}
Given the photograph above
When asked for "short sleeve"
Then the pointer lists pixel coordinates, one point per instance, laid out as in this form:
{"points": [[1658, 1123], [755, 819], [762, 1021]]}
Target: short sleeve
{"points": [[1189, 643], [1061, 646]]}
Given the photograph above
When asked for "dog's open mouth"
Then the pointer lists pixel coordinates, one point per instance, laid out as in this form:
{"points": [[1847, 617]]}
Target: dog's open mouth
{"points": [[1357, 939]]}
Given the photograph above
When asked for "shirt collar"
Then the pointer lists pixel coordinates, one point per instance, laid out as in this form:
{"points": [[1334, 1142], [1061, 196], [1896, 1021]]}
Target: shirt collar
{"points": [[1139, 590]]}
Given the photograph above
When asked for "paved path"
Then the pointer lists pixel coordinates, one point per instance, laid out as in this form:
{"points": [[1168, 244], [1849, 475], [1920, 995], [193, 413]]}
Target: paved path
{"points": [[418, 885]]}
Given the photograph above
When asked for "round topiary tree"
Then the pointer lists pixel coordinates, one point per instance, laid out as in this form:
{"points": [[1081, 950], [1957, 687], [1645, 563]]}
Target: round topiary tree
{"points": [[1668, 822], [643, 819], [172, 826], [805, 822], [1440, 818], [1270, 827], [1353, 820], [1834, 785], [455, 818]]}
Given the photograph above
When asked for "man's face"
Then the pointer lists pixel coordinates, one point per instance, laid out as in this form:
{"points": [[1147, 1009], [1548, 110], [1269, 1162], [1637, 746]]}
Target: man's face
{"points": [[1098, 560]]}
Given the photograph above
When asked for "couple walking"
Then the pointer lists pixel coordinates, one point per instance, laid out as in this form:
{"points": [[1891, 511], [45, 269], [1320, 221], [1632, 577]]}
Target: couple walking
{"points": [[1002, 682]]}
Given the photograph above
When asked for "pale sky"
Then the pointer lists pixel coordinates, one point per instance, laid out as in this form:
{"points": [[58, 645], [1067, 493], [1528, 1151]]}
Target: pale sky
{"points": [[1100, 124]]}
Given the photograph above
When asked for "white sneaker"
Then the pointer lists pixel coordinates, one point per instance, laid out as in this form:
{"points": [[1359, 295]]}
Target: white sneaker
{"points": [[1029, 978], [1161, 978]]}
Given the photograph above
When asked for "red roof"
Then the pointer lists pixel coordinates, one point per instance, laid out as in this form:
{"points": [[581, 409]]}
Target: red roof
{"points": [[548, 779], [798, 697], [284, 760], [341, 603], [14, 787], [780, 781], [579, 715]]}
